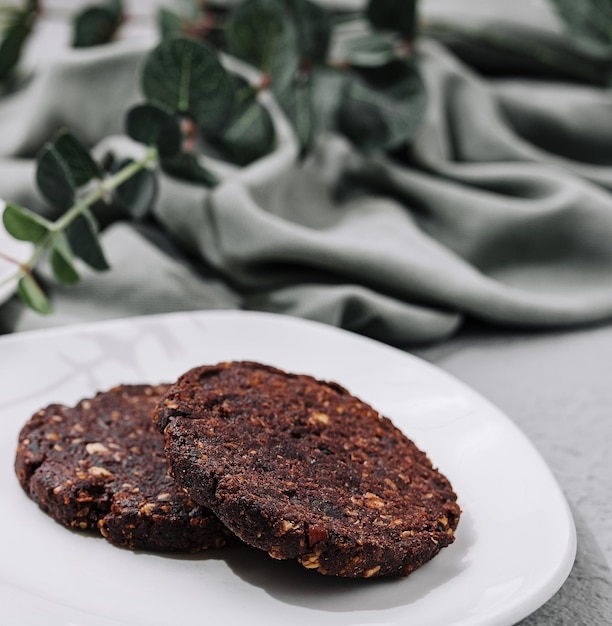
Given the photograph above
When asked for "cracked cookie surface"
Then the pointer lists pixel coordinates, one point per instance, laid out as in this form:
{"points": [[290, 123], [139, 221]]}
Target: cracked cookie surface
{"points": [[304, 470], [101, 466]]}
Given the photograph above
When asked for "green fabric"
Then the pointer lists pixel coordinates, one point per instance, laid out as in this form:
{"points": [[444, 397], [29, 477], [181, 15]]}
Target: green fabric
{"points": [[500, 211]]}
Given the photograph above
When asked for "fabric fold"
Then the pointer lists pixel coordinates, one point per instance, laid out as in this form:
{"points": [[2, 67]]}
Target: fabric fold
{"points": [[500, 210], [474, 122]]}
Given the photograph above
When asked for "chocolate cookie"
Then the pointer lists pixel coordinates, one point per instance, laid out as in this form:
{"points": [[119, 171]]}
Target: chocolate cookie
{"points": [[101, 465], [304, 470]]}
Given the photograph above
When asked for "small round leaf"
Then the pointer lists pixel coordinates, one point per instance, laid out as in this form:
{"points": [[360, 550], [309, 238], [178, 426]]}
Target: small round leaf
{"points": [[382, 109], [313, 29], [32, 295], [94, 26], [62, 262], [77, 158], [297, 103], [262, 33], [97, 25], [169, 23], [54, 179], [250, 135], [15, 37], [82, 234], [24, 224], [186, 77], [399, 16], [153, 126]]}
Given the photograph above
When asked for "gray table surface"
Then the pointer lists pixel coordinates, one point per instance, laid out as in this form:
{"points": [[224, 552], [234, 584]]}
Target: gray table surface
{"points": [[556, 388]]}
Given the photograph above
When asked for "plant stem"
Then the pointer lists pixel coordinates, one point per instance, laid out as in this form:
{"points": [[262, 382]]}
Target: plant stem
{"points": [[106, 186], [8, 258]]}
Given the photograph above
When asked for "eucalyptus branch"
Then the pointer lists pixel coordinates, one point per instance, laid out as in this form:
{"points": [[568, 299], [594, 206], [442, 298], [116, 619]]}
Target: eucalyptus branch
{"points": [[56, 230]]}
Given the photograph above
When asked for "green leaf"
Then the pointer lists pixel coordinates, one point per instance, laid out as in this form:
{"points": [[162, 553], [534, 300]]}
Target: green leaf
{"points": [[186, 77], [187, 167], [369, 50], [297, 103], [54, 179], [361, 119], [82, 234], [64, 165], [154, 126], [55, 175], [169, 23], [313, 30], [250, 135], [115, 7], [32, 295], [15, 36], [399, 16], [75, 155], [24, 224], [10, 50], [62, 262], [382, 109], [97, 25], [137, 194], [262, 33], [328, 85], [589, 22]]}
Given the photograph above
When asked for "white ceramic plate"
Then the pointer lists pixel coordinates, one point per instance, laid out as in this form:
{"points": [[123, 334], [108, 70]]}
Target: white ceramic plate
{"points": [[515, 542], [18, 250]]}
